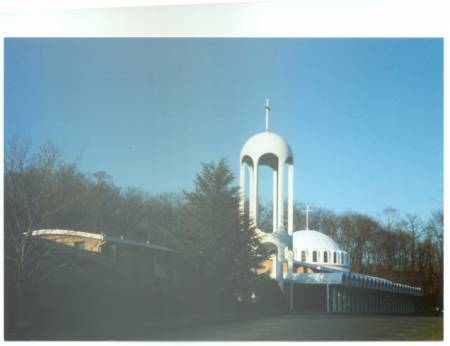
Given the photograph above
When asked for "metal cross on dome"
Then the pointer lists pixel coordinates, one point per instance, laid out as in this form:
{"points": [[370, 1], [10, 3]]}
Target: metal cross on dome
{"points": [[307, 210]]}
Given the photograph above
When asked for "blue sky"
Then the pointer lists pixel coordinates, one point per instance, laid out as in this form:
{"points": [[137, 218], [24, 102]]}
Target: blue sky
{"points": [[364, 117]]}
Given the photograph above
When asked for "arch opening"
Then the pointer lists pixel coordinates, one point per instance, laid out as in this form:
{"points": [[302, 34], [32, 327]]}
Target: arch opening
{"points": [[268, 159], [268, 266], [265, 215]]}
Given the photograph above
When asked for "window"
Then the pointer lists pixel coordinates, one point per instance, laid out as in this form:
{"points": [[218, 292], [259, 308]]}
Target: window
{"points": [[314, 256], [334, 257], [325, 257], [303, 256], [79, 244], [342, 257]]}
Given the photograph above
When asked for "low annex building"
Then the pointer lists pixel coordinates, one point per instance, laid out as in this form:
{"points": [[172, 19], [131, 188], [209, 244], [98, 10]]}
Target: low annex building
{"points": [[310, 267], [138, 261]]}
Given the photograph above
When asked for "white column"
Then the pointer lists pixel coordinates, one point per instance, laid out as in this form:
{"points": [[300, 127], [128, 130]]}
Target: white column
{"points": [[339, 300], [280, 194], [344, 300], [290, 260], [351, 299], [275, 202], [334, 298], [377, 302], [363, 301], [290, 198], [242, 188], [360, 302], [255, 194], [387, 304], [328, 299], [250, 192], [390, 310]]}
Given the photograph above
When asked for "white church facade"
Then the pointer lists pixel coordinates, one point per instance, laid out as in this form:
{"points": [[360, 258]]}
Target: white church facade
{"points": [[310, 267]]}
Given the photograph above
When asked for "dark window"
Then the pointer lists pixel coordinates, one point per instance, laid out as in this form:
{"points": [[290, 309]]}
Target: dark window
{"points": [[325, 257], [314, 256], [342, 258], [334, 257], [79, 244], [303, 256]]}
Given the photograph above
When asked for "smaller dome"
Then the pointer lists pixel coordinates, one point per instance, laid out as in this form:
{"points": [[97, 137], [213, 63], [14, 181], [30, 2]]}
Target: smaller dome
{"points": [[317, 248], [314, 240], [266, 143]]}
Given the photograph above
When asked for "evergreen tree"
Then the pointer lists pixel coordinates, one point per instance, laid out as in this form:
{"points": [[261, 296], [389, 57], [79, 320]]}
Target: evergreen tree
{"points": [[221, 242]]}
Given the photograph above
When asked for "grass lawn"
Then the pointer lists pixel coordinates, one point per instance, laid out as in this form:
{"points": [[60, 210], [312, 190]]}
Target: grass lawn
{"points": [[434, 333]]}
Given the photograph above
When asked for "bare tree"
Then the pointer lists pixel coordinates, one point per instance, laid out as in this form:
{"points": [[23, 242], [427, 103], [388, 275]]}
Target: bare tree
{"points": [[413, 227], [356, 232], [35, 190], [434, 241]]}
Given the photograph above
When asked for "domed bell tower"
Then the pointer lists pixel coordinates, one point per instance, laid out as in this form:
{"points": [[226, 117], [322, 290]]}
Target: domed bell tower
{"points": [[270, 149]]}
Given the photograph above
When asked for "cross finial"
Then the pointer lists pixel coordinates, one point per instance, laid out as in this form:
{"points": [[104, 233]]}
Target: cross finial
{"points": [[267, 109], [307, 210]]}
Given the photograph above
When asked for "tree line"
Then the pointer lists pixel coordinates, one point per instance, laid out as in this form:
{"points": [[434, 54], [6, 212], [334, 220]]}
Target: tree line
{"points": [[404, 249], [217, 249]]}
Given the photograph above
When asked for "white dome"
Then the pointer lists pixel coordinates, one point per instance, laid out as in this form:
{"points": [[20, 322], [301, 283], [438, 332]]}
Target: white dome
{"points": [[313, 240], [266, 143], [310, 241]]}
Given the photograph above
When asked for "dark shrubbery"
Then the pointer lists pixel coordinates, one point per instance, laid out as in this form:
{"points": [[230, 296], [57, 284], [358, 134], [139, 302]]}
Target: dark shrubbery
{"points": [[269, 299]]}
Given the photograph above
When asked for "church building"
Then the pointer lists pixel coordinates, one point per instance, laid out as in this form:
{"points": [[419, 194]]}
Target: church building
{"points": [[310, 267]]}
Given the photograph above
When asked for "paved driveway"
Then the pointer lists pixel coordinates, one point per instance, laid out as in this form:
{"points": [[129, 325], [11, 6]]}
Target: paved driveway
{"points": [[303, 327]]}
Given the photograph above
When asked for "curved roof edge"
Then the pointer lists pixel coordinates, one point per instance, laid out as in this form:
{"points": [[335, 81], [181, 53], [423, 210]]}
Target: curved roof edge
{"points": [[102, 236], [69, 233]]}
